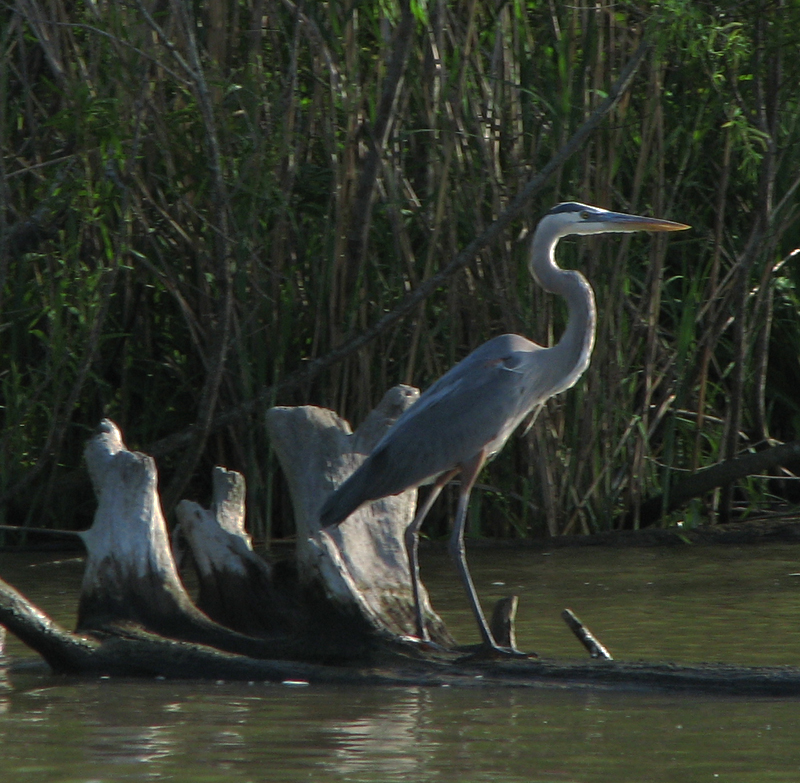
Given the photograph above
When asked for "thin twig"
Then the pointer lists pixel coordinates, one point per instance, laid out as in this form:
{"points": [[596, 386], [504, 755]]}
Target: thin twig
{"points": [[585, 636]]}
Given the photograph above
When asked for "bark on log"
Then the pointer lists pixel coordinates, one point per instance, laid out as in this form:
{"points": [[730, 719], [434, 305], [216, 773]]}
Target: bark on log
{"points": [[133, 652], [361, 566]]}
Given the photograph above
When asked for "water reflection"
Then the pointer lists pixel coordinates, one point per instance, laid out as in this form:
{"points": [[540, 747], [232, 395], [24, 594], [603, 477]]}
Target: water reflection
{"points": [[535, 734], [126, 730], [129, 744], [390, 741]]}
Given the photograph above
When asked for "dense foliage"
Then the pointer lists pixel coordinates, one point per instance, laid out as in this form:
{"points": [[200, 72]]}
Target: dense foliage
{"points": [[198, 201]]}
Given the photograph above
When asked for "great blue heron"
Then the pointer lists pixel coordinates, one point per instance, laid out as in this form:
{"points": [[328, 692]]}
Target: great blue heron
{"points": [[469, 413]]}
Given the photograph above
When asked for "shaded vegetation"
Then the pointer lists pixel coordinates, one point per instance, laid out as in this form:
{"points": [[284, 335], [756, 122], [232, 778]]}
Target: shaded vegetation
{"points": [[199, 201]]}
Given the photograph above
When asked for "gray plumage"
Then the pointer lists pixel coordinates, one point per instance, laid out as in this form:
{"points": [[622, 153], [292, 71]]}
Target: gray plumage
{"points": [[469, 413]]}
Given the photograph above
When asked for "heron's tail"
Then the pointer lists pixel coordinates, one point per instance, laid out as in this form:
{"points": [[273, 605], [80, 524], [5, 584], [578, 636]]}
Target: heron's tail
{"points": [[347, 498], [376, 477], [331, 514]]}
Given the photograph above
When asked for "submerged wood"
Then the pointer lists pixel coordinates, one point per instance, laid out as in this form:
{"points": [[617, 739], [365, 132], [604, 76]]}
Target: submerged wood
{"points": [[139, 654]]}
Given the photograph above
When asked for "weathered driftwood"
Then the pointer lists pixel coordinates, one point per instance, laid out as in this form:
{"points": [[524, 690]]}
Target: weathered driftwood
{"points": [[130, 575], [137, 619], [502, 623], [236, 586], [131, 582], [361, 565]]}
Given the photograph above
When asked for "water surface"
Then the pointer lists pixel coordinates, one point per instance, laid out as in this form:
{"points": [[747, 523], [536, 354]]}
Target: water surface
{"points": [[688, 604]]}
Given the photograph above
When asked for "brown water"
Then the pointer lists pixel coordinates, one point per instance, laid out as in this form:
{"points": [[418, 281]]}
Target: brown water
{"points": [[735, 604]]}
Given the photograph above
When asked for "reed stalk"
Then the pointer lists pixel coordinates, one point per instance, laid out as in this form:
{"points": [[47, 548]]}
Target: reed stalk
{"points": [[212, 208]]}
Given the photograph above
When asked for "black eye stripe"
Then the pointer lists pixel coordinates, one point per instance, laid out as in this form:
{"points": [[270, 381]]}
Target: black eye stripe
{"points": [[569, 206], [585, 211]]}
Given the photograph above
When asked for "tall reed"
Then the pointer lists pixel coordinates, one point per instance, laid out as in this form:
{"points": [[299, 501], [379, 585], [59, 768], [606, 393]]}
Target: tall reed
{"points": [[201, 200]]}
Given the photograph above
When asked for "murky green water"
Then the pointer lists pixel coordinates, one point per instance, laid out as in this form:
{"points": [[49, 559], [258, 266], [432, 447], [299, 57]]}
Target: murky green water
{"points": [[735, 604]]}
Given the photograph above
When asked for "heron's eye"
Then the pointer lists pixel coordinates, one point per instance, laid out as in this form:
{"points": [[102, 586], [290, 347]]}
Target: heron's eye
{"points": [[584, 215]]}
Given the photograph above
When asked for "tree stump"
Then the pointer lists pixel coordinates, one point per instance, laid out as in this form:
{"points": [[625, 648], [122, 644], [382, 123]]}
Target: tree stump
{"points": [[136, 618], [361, 566], [236, 586], [131, 580], [130, 573]]}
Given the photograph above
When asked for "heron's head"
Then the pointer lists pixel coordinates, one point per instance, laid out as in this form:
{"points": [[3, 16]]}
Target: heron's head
{"points": [[575, 218]]}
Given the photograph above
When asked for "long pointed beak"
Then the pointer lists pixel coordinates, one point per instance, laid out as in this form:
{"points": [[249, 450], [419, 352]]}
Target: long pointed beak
{"points": [[622, 222]]}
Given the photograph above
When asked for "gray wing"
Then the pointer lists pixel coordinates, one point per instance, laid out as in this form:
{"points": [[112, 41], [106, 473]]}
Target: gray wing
{"points": [[476, 405]]}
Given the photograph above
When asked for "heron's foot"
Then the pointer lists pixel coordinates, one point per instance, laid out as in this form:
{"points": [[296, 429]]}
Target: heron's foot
{"points": [[423, 644], [489, 652]]}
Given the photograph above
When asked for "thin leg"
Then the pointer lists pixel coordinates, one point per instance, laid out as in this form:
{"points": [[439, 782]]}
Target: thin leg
{"points": [[469, 472], [411, 539]]}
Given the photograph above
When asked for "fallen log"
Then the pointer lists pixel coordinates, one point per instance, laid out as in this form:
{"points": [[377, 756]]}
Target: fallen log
{"points": [[138, 654], [339, 614]]}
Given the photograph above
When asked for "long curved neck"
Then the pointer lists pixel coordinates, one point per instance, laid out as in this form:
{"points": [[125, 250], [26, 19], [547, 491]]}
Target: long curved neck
{"points": [[570, 356]]}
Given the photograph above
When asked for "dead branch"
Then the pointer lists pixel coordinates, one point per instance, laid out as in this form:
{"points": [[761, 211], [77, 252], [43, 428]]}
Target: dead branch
{"points": [[722, 474], [595, 648]]}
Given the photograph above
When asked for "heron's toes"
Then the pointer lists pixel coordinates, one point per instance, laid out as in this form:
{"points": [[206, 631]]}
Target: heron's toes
{"points": [[495, 652], [426, 645]]}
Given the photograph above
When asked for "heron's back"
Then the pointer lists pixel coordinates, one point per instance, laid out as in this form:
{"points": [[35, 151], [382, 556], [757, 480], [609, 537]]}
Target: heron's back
{"points": [[475, 406]]}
